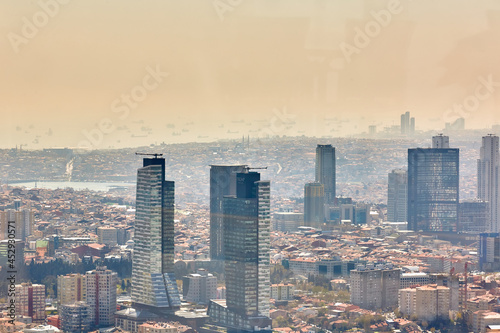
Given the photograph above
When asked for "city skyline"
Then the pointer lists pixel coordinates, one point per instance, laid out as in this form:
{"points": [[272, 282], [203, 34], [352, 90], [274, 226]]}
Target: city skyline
{"points": [[230, 166]]}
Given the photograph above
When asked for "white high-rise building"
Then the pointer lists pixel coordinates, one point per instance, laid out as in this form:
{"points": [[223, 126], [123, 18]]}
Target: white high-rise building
{"points": [[488, 177], [153, 282]]}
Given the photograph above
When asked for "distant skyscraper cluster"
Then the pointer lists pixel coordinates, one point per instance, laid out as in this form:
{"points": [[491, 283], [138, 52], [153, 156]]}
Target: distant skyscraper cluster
{"points": [[407, 124]]}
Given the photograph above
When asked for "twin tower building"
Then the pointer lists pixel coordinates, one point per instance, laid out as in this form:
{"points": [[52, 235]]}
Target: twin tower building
{"points": [[240, 235]]}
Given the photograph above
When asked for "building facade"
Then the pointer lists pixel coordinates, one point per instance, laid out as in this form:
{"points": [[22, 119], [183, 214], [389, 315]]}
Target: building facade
{"points": [[473, 216], [200, 287], [75, 317], [222, 182], [325, 172], [247, 224], [433, 189], [282, 292], [30, 301], [375, 287], [397, 196], [153, 282], [426, 303], [101, 296], [107, 236], [23, 220], [71, 288], [287, 221], [488, 179], [489, 251], [314, 205]]}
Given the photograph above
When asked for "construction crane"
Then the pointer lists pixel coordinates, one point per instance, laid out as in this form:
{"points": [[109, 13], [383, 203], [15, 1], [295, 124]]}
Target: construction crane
{"points": [[156, 155]]}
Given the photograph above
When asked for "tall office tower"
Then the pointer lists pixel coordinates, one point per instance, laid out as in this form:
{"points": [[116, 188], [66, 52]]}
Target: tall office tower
{"points": [[101, 296], [71, 288], [247, 224], [153, 282], [440, 141], [326, 171], [488, 176], [30, 301], [314, 205], [222, 182], [412, 126], [433, 189], [397, 196]]}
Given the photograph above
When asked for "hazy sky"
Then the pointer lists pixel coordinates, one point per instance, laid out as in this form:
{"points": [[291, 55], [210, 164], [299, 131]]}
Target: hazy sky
{"points": [[203, 70]]}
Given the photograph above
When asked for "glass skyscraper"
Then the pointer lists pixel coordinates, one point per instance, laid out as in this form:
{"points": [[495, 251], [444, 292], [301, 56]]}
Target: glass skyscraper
{"points": [[326, 171], [247, 224], [222, 182], [433, 189], [153, 282], [488, 179]]}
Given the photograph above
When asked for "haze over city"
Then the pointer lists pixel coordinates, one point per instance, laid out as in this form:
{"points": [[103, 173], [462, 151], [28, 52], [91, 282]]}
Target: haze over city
{"points": [[215, 70]]}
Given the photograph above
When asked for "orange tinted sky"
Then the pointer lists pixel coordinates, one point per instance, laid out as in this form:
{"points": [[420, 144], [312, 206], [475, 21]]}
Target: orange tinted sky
{"points": [[255, 67]]}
